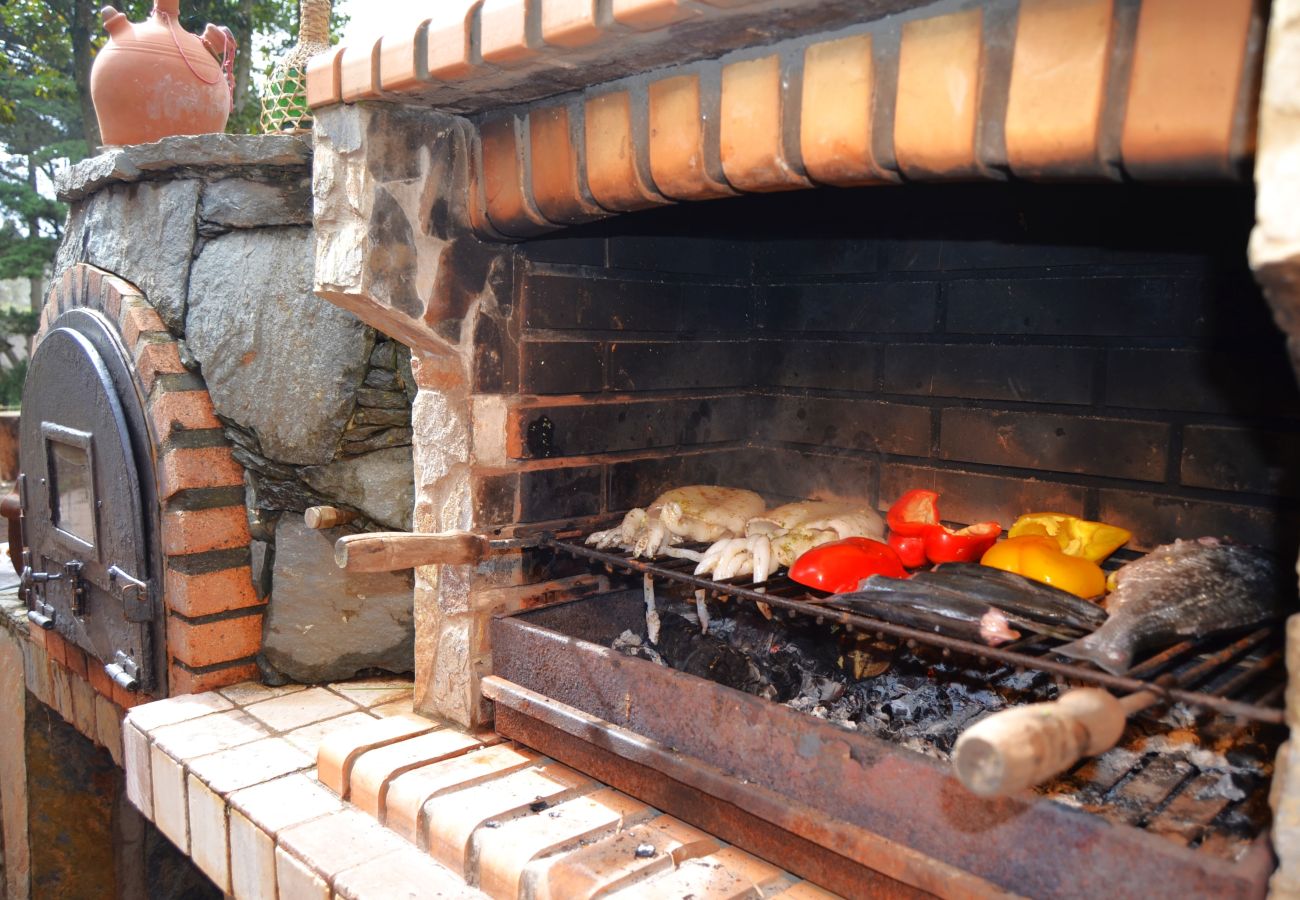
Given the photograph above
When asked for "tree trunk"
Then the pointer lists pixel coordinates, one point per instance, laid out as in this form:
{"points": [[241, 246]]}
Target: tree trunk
{"points": [[83, 20], [244, 61], [36, 285]]}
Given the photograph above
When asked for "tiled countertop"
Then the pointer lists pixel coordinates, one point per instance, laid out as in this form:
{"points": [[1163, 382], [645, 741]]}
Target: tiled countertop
{"points": [[339, 791]]}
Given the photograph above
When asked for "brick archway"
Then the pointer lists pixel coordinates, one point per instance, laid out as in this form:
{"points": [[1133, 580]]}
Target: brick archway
{"points": [[213, 616]]}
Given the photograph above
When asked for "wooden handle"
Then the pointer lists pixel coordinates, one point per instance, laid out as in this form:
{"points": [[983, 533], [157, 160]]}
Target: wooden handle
{"points": [[327, 516], [388, 551], [1020, 747]]}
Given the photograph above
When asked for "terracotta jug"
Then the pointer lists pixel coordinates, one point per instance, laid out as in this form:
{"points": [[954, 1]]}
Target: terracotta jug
{"points": [[154, 79]]}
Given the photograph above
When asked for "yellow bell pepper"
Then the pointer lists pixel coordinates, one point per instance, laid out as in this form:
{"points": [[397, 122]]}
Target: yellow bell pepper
{"points": [[1040, 558], [1077, 537]]}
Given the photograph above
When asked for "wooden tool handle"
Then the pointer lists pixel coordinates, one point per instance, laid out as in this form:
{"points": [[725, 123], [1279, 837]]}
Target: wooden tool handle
{"points": [[327, 516], [387, 551], [1023, 746]]}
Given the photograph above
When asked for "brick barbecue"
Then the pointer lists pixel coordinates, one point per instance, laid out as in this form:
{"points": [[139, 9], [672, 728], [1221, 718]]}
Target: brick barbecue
{"points": [[1006, 251]]}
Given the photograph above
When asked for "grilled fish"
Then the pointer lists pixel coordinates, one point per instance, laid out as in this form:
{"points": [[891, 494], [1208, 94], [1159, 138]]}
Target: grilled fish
{"points": [[899, 601], [1017, 594], [1183, 590]]}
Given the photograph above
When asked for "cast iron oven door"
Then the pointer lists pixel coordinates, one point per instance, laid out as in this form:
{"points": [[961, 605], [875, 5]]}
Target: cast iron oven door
{"points": [[82, 438]]}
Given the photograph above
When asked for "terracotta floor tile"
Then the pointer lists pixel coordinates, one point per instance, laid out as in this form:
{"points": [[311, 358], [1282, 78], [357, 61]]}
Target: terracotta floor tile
{"points": [[804, 891], [250, 764], [375, 769], [404, 873], [300, 708], [340, 749], [409, 792], [448, 822], [612, 863], [149, 716], [308, 737], [402, 707], [252, 859], [209, 839], [284, 802], [503, 853], [699, 879], [208, 734]]}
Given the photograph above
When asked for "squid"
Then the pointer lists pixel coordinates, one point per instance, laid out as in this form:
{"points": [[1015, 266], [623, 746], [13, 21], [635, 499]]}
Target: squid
{"points": [[694, 514], [780, 536]]}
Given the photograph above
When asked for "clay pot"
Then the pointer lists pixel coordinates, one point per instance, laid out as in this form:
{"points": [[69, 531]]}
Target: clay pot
{"points": [[143, 87]]}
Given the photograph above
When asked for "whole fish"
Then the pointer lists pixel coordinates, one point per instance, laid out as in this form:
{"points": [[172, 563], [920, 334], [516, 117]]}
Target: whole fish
{"points": [[1023, 597], [899, 601], [1182, 590]]}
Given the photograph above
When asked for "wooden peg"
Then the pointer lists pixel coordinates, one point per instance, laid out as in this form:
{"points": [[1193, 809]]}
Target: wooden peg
{"points": [[388, 551], [1026, 745], [327, 516]]}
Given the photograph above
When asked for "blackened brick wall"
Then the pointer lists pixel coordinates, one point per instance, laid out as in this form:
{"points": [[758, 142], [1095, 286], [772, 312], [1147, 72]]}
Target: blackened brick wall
{"points": [[1096, 350]]}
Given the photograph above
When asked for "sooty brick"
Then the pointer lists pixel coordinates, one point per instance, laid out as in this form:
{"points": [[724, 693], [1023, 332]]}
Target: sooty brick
{"points": [[1056, 443], [608, 427], [989, 372], [895, 307], [1233, 383], [564, 302], [1098, 306], [794, 257], [679, 365], [687, 254], [975, 497], [1236, 459], [494, 498], [566, 250], [636, 482], [561, 367], [846, 424], [790, 474], [562, 493], [1156, 519], [834, 365]]}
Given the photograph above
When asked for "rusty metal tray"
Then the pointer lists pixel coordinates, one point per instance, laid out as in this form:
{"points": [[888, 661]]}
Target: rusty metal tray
{"points": [[834, 806]]}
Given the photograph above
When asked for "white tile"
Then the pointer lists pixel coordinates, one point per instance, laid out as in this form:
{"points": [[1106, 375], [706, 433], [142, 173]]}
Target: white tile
{"points": [[300, 708], [249, 764], [209, 840], [374, 691], [139, 783], [297, 882], [149, 716], [169, 806], [252, 860], [209, 734], [285, 801], [308, 738], [248, 692]]}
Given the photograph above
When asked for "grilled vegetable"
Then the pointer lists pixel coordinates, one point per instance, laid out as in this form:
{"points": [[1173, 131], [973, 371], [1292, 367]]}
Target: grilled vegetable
{"points": [[840, 565], [910, 548], [912, 512], [1041, 559], [943, 545], [1077, 537], [918, 606], [1183, 590]]}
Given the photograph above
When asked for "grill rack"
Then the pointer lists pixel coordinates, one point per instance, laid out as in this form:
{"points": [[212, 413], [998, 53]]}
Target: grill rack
{"points": [[1247, 667]]}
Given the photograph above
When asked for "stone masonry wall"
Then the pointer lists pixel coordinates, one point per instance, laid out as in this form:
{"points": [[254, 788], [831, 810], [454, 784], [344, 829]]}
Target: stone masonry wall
{"points": [[216, 232]]}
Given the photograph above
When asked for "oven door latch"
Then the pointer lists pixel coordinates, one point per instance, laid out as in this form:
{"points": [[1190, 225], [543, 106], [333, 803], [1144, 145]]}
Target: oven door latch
{"points": [[134, 594], [42, 612]]}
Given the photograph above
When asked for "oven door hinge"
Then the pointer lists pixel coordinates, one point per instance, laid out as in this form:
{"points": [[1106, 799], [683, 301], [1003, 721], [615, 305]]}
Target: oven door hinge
{"points": [[124, 671]]}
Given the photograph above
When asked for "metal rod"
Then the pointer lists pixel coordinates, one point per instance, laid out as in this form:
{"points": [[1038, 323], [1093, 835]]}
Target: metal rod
{"points": [[1116, 683]]}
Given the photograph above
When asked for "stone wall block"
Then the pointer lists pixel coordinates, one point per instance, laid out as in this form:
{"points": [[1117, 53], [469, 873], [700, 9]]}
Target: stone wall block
{"points": [[378, 484], [324, 624], [277, 359], [240, 203], [141, 232]]}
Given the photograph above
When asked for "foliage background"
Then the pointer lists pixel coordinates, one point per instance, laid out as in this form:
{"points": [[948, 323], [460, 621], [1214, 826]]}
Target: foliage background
{"points": [[47, 119]]}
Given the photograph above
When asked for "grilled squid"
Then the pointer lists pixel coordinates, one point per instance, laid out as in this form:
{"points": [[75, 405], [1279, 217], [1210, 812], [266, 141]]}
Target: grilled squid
{"points": [[694, 514]]}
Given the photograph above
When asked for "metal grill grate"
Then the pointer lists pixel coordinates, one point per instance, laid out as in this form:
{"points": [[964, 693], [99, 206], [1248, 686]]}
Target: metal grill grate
{"points": [[1241, 676]]}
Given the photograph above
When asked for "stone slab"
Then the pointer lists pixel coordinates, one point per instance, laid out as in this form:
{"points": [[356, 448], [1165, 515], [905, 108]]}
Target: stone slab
{"points": [[380, 484]]}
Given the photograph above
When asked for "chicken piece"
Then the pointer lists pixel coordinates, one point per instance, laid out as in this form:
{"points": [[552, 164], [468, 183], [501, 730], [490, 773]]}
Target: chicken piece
{"points": [[697, 513], [780, 536]]}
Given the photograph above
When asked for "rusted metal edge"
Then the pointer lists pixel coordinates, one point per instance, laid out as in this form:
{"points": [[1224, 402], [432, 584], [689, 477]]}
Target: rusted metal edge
{"points": [[879, 853], [1116, 683], [1026, 843]]}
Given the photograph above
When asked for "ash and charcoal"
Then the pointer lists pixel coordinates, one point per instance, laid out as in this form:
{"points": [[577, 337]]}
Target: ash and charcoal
{"points": [[912, 697], [1186, 775]]}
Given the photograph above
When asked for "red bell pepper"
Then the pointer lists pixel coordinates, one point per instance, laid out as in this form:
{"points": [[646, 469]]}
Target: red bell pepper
{"points": [[913, 511], [968, 544], [909, 547], [840, 565]]}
